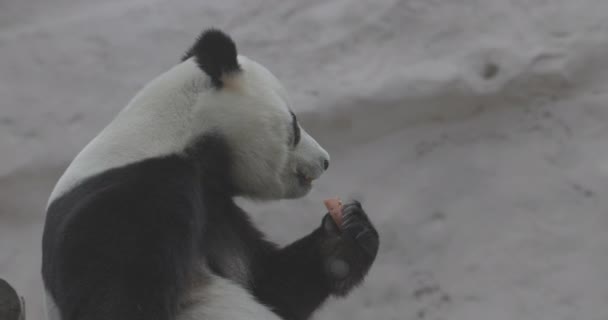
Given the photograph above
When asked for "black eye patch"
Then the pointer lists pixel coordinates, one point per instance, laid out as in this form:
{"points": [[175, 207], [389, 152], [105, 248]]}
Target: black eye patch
{"points": [[296, 129]]}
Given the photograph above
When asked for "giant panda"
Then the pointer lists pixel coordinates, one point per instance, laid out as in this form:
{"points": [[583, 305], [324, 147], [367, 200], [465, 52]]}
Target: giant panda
{"points": [[143, 224]]}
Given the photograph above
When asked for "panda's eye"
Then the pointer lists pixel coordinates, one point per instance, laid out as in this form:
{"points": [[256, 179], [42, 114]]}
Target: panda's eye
{"points": [[296, 130]]}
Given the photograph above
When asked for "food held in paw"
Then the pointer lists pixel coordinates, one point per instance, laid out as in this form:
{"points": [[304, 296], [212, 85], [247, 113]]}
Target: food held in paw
{"points": [[334, 206]]}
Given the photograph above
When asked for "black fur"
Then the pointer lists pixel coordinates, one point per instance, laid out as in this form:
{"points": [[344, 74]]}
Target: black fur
{"points": [[127, 243], [10, 303], [215, 54]]}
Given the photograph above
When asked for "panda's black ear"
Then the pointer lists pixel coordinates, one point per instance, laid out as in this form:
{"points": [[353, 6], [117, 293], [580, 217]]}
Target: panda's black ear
{"points": [[215, 54]]}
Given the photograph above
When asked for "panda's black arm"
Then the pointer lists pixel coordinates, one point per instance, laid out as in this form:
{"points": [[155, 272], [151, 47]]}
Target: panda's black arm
{"points": [[292, 280], [297, 279]]}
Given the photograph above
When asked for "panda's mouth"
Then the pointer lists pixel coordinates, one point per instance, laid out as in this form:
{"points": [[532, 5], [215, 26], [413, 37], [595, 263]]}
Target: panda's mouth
{"points": [[304, 179]]}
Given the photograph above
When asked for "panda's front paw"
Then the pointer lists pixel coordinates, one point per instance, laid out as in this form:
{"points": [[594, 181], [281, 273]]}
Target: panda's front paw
{"points": [[349, 249]]}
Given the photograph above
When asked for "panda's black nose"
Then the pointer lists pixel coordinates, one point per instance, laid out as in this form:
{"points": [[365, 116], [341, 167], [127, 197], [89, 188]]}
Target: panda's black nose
{"points": [[325, 164]]}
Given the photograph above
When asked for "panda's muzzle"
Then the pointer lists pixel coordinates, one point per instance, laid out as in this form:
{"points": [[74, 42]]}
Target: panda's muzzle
{"points": [[307, 174]]}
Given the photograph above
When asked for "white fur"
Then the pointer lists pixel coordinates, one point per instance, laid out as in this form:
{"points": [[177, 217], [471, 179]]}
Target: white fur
{"points": [[222, 299], [151, 125], [251, 111]]}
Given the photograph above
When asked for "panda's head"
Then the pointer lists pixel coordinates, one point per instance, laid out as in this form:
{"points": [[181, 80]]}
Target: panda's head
{"points": [[271, 155], [214, 93]]}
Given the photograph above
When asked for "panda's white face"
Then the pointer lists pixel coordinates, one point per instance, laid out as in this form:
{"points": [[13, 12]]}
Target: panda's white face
{"points": [[273, 156]]}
